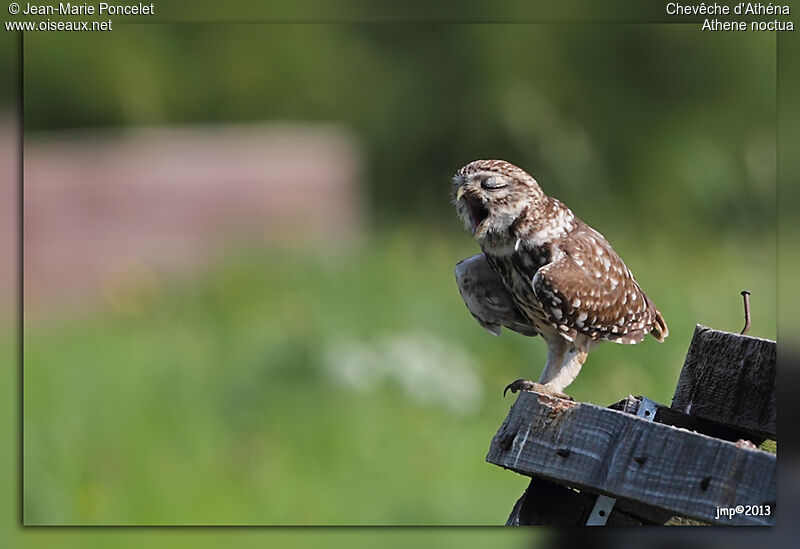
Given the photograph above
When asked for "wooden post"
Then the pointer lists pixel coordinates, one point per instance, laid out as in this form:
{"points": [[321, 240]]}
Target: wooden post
{"points": [[730, 379]]}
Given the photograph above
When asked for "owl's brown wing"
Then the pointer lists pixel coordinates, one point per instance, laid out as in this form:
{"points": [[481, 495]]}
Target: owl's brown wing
{"points": [[488, 299], [588, 290]]}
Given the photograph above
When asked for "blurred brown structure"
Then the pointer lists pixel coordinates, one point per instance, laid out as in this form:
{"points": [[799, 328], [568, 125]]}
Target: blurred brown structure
{"points": [[102, 207]]}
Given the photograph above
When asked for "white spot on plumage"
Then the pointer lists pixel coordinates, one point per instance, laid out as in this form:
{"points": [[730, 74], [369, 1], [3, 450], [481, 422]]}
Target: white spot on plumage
{"points": [[557, 313], [582, 317], [576, 302]]}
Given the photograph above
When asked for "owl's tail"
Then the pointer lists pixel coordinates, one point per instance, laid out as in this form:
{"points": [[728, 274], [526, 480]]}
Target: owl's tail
{"points": [[660, 330]]}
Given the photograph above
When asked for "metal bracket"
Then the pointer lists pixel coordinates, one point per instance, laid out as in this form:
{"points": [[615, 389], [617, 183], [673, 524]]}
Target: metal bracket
{"points": [[604, 504], [602, 508], [647, 409]]}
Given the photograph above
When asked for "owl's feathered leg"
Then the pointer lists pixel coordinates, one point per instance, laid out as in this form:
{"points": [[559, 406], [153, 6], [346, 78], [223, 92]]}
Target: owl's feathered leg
{"points": [[563, 365], [564, 361]]}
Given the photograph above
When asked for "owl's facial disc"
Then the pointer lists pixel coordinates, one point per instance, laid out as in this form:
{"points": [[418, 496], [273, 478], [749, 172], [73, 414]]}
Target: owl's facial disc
{"points": [[476, 195], [490, 195]]}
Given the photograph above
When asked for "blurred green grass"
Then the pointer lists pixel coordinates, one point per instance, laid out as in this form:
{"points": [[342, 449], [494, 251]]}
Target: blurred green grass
{"points": [[211, 401]]}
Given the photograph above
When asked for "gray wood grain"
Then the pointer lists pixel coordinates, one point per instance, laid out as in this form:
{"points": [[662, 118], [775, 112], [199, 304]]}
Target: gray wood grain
{"points": [[600, 450], [730, 379]]}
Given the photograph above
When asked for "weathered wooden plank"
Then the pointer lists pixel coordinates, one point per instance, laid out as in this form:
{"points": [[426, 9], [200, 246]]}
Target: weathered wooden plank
{"points": [[549, 504], [730, 379], [606, 451]]}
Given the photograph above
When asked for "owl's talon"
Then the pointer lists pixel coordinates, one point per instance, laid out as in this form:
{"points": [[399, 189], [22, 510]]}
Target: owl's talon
{"points": [[523, 385], [527, 385]]}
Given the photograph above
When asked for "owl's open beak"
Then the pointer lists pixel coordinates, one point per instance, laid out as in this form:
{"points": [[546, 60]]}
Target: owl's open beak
{"points": [[475, 206]]}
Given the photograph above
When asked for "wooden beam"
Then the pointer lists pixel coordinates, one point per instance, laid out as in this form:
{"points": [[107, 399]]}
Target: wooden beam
{"points": [[600, 450], [730, 379], [676, 418], [546, 503]]}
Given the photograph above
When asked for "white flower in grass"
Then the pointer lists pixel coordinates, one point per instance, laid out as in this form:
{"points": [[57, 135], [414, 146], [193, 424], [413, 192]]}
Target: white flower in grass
{"points": [[426, 368]]}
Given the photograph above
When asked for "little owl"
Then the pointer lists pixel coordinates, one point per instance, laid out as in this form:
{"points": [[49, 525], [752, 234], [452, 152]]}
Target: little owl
{"points": [[544, 271]]}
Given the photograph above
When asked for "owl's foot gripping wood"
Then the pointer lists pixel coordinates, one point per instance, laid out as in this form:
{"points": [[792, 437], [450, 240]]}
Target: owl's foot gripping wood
{"points": [[536, 387]]}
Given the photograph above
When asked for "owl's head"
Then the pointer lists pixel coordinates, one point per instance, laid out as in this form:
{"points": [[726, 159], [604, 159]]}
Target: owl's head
{"points": [[490, 194]]}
